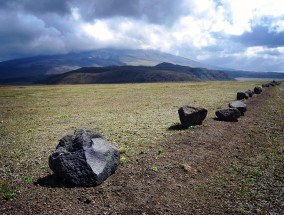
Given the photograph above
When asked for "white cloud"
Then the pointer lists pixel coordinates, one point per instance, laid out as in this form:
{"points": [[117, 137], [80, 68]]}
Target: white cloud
{"points": [[265, 53], [193, 32], [277, 26], [99, 30], [75, 14], [198, 29], [241, 15]]}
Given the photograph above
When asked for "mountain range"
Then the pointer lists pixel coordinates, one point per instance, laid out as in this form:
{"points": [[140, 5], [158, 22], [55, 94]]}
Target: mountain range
{"points": [[164, 72], [34, 69]]}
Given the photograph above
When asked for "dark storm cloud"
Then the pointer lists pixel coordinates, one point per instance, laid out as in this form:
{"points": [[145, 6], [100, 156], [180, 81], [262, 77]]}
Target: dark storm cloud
{"points": [[37, 7], [158, 11], [32, 27], [23, 34], [162, 11], [261, 36], [109, 8], [50, 6]]}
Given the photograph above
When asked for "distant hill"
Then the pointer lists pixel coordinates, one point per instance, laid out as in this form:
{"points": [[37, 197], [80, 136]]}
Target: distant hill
{"points": [[164, 72], [37, 67]]}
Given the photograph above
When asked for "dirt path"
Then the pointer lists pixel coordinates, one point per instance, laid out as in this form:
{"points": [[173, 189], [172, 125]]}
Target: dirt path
{"points": [[171, 177]]}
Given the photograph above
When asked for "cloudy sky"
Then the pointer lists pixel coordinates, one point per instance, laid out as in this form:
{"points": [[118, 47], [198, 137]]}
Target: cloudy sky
{"points": [[240, 34]]}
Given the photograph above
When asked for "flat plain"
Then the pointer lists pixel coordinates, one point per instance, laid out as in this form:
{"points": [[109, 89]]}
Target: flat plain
{"points": [[139, 119]]}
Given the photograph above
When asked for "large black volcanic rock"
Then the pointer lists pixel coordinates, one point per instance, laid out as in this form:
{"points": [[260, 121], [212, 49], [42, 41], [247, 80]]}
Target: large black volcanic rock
{"points": [[228, 114], [242, 95], [250, 93], [257, 90], [242, 107], [190, 116], [84, 159]]}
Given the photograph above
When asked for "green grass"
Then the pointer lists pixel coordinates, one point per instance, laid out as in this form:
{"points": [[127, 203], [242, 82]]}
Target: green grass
{"points": [[154, 168], [28, 180], [130, 116], [6, 190], [123, 160]]}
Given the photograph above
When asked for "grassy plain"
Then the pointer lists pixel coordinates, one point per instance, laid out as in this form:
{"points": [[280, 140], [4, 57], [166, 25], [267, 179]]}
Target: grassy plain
{"points": [[131, 116]]}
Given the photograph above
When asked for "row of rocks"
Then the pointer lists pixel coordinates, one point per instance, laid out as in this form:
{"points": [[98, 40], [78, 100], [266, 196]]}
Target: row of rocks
{"points": [[249, 93], [87, 158], [272, 84], [190, 116], [236, 109]]}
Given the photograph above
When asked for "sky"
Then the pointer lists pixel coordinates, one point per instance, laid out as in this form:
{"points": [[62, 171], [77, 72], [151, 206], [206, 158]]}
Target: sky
{"points": [[238, 34]]}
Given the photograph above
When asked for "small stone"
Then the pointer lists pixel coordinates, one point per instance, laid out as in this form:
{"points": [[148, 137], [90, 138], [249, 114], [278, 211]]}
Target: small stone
{"points": [[190, 116], [228, 114]]}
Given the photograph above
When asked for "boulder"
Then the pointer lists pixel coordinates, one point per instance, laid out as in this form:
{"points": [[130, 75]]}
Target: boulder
{"points": [[257, 90], [242, 95], [272, 84], [84, 159], [228, 114], [242, 107], [190, 116], [250, 93]]}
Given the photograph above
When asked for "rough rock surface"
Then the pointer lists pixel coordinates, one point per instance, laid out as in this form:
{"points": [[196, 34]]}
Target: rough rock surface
{"points": [[84, 159], [242, 107], [272, 84], [190, 116], [228, 114], [257, 90], [242, 95], [250, 93]]}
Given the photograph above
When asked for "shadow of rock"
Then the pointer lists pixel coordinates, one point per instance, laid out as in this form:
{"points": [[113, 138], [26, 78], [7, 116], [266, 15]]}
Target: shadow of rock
{"points": [[177, 127], [217, 119], [52, 181]]}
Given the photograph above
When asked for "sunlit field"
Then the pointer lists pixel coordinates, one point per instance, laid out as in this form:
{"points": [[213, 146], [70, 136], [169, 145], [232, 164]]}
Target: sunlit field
{"points": [[132, 116]]}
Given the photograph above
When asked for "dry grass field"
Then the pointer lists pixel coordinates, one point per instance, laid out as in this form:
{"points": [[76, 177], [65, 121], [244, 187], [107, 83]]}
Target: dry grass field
{"points": [[133, 117], [33, 118]]}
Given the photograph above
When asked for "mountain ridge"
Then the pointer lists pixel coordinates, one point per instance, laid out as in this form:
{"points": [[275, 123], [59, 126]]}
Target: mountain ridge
{"points": [[55, 64], [164, 72]]}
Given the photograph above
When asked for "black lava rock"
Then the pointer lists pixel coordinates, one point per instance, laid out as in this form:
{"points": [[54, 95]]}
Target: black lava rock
{"points": [[84, 159], [190, 116], [228, 114]]}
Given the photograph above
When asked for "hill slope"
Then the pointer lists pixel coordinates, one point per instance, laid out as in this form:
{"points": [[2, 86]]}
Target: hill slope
{"points": [[34, 67], [164, 72]]}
